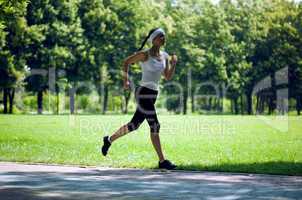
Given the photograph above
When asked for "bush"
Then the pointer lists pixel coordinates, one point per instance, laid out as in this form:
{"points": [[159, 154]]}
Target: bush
{"points": [[30, 103], [83, 102], [173, 104]]}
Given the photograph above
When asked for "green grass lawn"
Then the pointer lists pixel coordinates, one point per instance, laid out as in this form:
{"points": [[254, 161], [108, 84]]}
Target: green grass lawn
{"points": [[215, 143]]}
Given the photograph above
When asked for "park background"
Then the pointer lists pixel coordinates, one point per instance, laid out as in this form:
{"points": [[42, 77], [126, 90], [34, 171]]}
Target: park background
{"points": [[63, 59]]}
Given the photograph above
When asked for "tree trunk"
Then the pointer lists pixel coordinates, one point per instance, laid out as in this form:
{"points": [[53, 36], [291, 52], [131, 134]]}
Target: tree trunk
{"points": [[58, 103], [262, 104], [236, 105], [273, 96], [270, 105], [232, 106], [11, 96], [221, 104], [217, 103], [127, 96], [298, 105], [40, 102], [193, 103], [249, 103], [241, 104], [220, 101], [72, 100], [105, 101], [210, 103], [99, 91], [5, 96], [185, 98], [257, 103]]}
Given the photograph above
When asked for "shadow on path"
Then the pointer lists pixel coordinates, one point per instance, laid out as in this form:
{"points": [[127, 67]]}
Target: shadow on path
{"points": [[19, 181]]}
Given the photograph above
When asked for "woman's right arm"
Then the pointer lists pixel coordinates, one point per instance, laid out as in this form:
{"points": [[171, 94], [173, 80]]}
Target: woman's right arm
{"points": [[139, 56]]}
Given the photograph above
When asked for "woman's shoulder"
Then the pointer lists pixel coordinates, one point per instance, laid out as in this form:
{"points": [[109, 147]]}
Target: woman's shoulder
{"points": [[165, 54], [145, 52]]}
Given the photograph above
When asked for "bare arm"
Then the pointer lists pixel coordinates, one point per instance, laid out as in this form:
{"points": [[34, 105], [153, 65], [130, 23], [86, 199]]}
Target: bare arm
{"points": [[170, 68], [140, 56]]}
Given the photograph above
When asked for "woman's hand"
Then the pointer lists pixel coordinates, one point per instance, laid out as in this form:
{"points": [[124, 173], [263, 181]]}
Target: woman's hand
{"points": [[173, 60], [126, 84]]}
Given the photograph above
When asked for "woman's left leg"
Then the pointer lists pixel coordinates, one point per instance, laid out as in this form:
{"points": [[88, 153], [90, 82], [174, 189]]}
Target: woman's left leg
{"points": [[154, 125], [157, 146]]}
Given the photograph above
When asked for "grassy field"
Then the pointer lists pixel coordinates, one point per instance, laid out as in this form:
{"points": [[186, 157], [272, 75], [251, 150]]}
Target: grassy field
{"points": [[215, 143]]}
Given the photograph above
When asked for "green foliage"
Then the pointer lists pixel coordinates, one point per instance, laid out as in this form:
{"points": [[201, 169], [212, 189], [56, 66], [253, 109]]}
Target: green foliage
{"points": [[13, 28], [29, 102], [173, 104], [83, 102], [232, 43]]}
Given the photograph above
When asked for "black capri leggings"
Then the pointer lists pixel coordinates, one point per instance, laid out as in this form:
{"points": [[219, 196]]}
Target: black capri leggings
{"points": [[145, 99]]}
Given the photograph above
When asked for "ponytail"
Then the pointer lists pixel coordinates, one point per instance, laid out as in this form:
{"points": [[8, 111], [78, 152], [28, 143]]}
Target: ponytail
{"points": [[145, 40]]}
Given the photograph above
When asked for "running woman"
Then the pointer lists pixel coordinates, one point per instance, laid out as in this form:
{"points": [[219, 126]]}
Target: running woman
{"points": [[154, 63]]}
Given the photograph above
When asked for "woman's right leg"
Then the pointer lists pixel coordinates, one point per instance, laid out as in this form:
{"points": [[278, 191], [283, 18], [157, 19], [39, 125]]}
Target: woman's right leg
{"points": [[135, 122], [123, 130]]}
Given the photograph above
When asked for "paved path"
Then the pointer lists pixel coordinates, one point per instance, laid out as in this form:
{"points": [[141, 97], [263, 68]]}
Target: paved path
{"points": [[19, 181]]}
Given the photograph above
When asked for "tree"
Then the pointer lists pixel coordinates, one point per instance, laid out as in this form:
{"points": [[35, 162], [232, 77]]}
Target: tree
{"points": [[13, 35], [276, 50], [181, 41], [213, 35], [97, 22], [60, 47], [295, 70]]}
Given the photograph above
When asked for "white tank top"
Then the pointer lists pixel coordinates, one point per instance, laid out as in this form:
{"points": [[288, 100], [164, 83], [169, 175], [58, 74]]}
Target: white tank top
{"points": [[152, 69]]}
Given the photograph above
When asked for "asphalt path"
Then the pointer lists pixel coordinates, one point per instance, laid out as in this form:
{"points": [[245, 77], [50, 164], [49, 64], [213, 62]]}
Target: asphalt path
{"points": [[48, 182]]}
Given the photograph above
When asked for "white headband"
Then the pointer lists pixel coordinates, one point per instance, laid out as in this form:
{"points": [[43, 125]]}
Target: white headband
{"points": [[155, 33]]}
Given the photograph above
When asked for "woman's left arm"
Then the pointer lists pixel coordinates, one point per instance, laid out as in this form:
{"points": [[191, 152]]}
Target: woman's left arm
{"points": [[170, 67]]}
